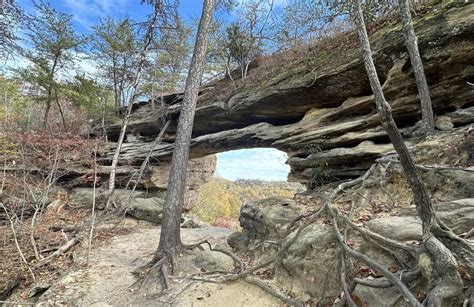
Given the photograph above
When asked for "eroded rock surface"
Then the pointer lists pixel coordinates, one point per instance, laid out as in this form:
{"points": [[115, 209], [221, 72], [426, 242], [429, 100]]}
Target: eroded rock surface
{"points": [[310, 268], [324, 115]]}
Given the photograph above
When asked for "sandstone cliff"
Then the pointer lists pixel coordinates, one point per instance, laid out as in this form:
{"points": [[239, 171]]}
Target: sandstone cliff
{"points": [[319, 109]]}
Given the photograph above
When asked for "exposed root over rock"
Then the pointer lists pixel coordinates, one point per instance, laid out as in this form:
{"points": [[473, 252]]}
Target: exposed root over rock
{"points": [[444, 280]]}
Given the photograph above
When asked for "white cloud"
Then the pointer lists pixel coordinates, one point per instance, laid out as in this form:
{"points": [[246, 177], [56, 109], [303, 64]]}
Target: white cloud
{"points": [[86, 12], [81, 64]]}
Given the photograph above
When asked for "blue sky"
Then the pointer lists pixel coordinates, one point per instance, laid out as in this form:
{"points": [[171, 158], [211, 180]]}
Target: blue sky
{"points": [[258, 163], [86, 13]]}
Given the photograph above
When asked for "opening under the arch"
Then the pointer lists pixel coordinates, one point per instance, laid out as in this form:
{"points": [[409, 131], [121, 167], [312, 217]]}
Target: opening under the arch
{"points": [[266, 164]]}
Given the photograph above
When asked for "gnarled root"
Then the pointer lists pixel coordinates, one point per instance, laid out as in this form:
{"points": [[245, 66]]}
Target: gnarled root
{"points": [[448, 280], [154, 275]]}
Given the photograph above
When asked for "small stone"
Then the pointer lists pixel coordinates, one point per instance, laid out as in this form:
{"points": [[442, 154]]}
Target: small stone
{"points": [[444, 123]]}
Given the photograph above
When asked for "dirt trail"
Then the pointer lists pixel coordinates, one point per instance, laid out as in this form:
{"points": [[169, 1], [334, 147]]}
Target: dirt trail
{"points": [[106, 281]]}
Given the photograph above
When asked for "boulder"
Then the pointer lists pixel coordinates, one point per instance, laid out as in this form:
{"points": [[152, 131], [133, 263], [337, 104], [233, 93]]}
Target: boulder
{"points": [[388, 297], [191, 221], [83, 197], [265, 218], [213, 261], [458, 215], [55, 205], [147, 209], [402, 228], [311, 265]]}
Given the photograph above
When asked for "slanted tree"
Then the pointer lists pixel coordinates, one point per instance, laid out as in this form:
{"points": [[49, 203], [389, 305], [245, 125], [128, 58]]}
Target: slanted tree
{"points": [[411, 41], [52, 43], [170, 238], [446, 280], [147, 41]]}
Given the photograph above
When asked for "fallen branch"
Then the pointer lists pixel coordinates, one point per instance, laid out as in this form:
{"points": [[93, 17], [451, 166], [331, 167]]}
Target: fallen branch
{"points": [[63, 249]]}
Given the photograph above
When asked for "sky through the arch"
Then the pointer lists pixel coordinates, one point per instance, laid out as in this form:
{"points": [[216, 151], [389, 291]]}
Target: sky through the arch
{"points": [[258, 163]]}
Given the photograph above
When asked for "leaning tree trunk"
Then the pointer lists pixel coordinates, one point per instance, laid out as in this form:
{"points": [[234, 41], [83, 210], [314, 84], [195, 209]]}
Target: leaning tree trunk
{"points": [[170, 239], [56, 99], [447, 278], [427, 118], [46, 114], [141, 64]]}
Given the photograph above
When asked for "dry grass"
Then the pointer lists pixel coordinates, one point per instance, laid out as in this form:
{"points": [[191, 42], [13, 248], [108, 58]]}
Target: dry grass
{"points": [[48, 239]]}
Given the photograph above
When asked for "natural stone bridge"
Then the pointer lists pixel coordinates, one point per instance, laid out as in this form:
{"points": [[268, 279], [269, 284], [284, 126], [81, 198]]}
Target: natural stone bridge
{"points": [[322, 114]]}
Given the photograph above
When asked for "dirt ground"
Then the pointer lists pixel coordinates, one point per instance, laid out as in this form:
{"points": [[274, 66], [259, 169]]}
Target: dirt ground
{"points": [[107, 279]]}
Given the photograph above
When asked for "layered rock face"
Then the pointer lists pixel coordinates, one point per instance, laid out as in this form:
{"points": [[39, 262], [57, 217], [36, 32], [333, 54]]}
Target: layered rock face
{"points": [[147, 201], [200, 170], [322, 114]]}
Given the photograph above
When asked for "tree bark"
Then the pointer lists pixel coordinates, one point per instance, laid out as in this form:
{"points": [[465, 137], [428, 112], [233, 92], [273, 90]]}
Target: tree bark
{"points": [[170, 239], [49, 97], [449, 282], [46, 114], [115, 86], [411, 42], [56, 98], [421, 198], [146, 44]]}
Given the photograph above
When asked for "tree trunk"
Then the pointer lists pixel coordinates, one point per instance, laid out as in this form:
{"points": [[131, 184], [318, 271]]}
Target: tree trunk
{"points": [[56, 98], [427, 118], [49, 98], [146, 44], [46, 113], [114, 75], [449, 282], [170, 239]]}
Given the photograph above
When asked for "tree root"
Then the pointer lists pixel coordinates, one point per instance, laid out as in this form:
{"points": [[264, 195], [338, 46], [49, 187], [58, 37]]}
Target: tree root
{"points": [[162, 261], [409, 297], [274, 292], [347, 292], [385, 283], [448, 284], [237, 260], [156, 269]]}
